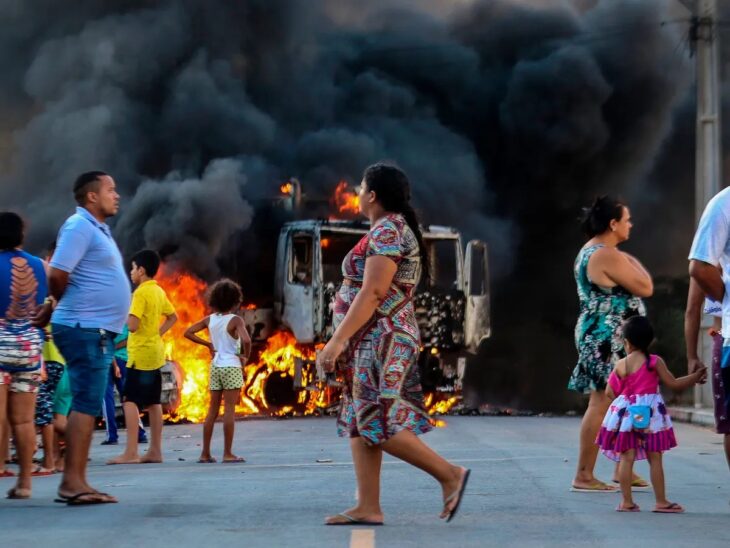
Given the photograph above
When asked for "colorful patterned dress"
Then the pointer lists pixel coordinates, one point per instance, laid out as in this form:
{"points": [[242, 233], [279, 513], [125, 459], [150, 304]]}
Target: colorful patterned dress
{"points": [[598, 331], [22, 291], [617, 434], [383, 394]]}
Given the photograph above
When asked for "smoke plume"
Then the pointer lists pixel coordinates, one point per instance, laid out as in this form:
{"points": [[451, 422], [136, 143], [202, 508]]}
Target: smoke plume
{"points": [[507, 115]]}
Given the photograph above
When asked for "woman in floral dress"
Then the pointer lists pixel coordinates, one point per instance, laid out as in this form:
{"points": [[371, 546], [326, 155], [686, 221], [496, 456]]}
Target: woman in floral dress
{"points": [[610, 286], [377, 341]]}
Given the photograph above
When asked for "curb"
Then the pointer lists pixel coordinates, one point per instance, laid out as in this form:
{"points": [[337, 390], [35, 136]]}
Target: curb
{"points": [[700, 416]]}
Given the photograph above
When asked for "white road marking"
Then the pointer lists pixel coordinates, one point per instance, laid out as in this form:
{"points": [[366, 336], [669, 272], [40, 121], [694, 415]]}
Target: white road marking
{"points": [[362, 538], [243, 467], [386, 462]]}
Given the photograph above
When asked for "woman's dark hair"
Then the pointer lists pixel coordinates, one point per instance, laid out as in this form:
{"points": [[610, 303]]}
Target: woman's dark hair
{"points": [[11, 230], [148, 259], [393, 191], [224, 295], [638, 331], [597, 218]]}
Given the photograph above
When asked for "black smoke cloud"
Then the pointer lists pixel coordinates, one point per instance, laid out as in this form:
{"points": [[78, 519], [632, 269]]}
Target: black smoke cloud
{"points": [[507, 115], [190, 219]]}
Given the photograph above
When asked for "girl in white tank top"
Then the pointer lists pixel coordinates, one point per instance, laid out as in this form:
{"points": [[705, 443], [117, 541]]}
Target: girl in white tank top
{"points": [[227, 349], [226, 370]]}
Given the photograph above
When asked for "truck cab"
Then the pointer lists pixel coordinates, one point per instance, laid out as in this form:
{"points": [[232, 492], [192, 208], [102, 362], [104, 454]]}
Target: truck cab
{"points": [[452, 306]]}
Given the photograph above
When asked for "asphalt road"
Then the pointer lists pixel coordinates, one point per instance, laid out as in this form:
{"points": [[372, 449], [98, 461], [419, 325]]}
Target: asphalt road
{"points": [[518, 494]]}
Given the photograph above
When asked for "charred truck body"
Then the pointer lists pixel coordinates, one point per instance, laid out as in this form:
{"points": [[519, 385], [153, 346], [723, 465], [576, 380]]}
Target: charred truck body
{"points": [[452, 307]]}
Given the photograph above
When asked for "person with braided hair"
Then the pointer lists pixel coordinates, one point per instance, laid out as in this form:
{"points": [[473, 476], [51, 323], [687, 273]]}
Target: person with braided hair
{"points": [[376, 341]]}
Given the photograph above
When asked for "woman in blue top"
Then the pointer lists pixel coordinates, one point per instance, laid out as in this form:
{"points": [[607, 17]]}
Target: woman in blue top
{"points": [[610, 286], [22, 291]]}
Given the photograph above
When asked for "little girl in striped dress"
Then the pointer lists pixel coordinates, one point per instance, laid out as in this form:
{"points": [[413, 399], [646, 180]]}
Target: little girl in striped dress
{"points": [[624, 437]]}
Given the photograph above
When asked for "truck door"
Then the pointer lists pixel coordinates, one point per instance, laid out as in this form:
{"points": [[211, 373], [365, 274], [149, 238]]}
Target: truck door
{"points": [[477, 324], [298, 294]]}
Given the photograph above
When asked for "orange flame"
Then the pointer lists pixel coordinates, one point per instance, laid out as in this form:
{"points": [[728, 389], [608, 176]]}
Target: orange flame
{"points": [[278, 357], [286, 188], [345, 200], [325, 243], [441, 406], [186, 294]]}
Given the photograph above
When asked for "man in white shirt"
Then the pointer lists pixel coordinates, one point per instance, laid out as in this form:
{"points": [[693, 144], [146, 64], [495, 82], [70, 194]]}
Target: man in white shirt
{"points": [[710, 250]]}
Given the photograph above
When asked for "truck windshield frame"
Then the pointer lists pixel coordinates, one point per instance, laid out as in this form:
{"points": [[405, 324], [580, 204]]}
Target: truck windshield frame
{"points": [[301, 263]]}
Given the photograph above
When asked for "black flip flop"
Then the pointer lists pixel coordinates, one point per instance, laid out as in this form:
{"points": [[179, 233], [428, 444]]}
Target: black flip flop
{"points": [[13, 493], [459, 495], [75, 500], [354, 521]]}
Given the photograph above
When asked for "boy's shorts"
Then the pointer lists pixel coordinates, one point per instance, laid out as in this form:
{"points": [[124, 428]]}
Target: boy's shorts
{"points": [[26, 382], [143, 388], [62, 399], [225, 378], [47, 393]]}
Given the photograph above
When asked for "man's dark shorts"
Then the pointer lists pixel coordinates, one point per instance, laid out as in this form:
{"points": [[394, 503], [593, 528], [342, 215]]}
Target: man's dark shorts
{"points": [[142, 388], [721, 383], [88, 353]]}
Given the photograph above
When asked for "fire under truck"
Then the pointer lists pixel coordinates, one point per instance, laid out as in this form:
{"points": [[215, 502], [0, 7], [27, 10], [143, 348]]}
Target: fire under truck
{"points": [[452, 307]]}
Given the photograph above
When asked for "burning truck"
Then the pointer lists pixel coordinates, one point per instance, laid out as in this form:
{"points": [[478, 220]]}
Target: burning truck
{"points": [[452, 309]]}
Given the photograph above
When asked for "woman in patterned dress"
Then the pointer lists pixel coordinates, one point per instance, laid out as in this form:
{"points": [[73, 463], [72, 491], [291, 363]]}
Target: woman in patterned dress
{"points": [[22, 292], [377, 339], [610, 286]]}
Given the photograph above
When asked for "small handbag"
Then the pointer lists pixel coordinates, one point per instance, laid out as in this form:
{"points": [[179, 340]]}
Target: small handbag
{"points": [[640, 416]]}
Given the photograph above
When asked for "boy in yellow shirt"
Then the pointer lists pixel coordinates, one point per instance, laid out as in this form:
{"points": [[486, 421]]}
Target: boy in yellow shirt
{"points": [[146, 351]]}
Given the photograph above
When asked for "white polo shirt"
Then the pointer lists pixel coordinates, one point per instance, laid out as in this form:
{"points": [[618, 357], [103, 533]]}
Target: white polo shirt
{"points": [[712, 245]]}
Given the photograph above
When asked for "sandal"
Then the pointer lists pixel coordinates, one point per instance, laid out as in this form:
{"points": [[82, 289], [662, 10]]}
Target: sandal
{"points": [[457, 495], [596, 486], [40, 471], [79, 500], [637, 484], [673, 508], [347, 519], [233, 461], [18, 493]]}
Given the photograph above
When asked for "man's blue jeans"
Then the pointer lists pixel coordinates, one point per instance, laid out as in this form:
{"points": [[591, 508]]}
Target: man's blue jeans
{"points": [[88, 353]]}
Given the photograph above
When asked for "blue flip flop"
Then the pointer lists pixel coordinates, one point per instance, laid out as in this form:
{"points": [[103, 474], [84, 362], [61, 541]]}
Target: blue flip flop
{"points": [[457, 495]]}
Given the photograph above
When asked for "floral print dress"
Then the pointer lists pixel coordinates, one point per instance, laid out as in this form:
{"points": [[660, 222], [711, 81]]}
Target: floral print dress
{"points": [[618, 434], [382, 393], [598, 331]]}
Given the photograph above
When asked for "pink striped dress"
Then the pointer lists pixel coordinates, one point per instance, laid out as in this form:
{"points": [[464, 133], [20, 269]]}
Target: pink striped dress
{"points": [[617, 433]]}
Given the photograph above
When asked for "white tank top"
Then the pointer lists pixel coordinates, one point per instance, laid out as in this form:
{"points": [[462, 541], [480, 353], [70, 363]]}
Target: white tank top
{"points": [[226, 347]]}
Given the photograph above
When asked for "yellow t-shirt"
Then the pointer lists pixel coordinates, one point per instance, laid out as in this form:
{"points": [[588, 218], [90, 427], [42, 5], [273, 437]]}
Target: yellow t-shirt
{"points": [[50, 350], [145, 347]]}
